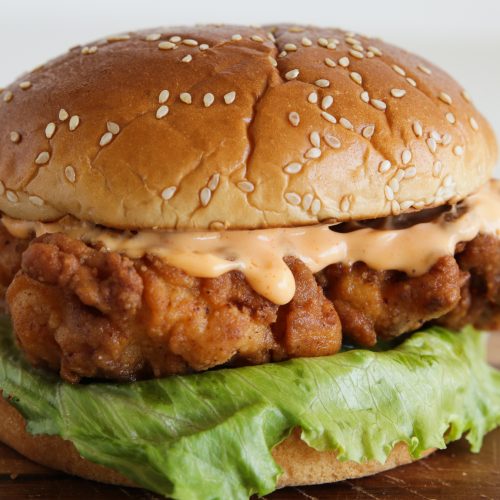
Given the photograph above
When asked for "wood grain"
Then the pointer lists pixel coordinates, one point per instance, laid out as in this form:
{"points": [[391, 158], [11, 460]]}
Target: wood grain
{"points": [[451, 474]]}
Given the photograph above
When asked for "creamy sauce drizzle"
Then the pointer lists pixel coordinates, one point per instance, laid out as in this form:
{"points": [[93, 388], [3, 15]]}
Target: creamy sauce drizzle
{"points": [[259, 254]]}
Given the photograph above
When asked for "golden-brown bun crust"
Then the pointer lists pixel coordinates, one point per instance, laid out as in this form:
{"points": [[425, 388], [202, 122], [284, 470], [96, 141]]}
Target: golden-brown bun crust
{"points": [[240, 163], [301, 464]]}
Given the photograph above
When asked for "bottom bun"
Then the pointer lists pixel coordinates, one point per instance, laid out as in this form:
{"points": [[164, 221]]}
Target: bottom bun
{"points": [[301, 464]]}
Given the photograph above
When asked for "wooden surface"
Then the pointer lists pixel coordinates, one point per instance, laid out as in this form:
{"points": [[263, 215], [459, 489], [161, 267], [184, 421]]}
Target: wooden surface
{"points": [[451, 474]]}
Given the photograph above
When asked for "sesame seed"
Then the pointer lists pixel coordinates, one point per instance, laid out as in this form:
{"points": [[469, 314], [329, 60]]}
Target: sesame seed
{"points": [[36, 200], [293, 168], [25, 85], [389, 193], [346, 123], [15, 137], [12, 197], [331, 45], [307, 201], [296, 29], [410, 172], [436, 168], [153, 37], [330, 62], [375, 50], [384, 166], [323, 83], [316, 206], [294, 118], [113, 127], [326, 102], [50, 130], [400, 174], [358, 47], [93, 49], [377, 103], [323, 42], [293, 198], [431, 143], [166, 45], [356, 77], [352, 41], [399, 70], [365, 96], [187, 58], [345, 204], [106, 138], [411, 81], [74, 121], [42, 158], [162, 111], [370, 54], [445, 98], [257, 38], [190, 42], [394, 185], [273, 61], [406, 157], [368, 131], [328, 117], [405, 205], [208, 99], [283, 53], [473, 123], [168, 193], [424, 69], [8, 96], [306, 42], [466, 96], [163, 97], [312, 97], [236, 37], [70, 173], [356, 53], [332, 141], [63, 115], [451, 118], [315, 139], [271, 37], [344, 61], [458, 150], [213, 182], [446, 140], [185, 97], [313, 153], [246, 186], [230, 97], [417, 129], [395, 207], [290, 47], [398, 93], [436, 136], [292, 74], [205, 196], [175, 38]]}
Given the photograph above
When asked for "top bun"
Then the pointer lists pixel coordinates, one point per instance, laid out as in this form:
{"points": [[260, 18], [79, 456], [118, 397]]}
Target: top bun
{"points": [[239, 127]]}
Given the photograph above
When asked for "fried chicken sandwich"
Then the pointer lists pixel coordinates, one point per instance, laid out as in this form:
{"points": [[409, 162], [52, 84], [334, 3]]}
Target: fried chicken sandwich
{"points": [[234, 259]]}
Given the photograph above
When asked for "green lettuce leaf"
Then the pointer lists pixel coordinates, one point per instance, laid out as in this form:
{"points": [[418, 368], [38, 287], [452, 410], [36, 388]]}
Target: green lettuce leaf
{"points": [[209, 436]]}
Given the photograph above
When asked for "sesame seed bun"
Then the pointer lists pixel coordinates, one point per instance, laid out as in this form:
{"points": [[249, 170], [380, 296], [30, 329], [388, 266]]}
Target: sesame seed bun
{"points": [[301, 464], [231, 126]]}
